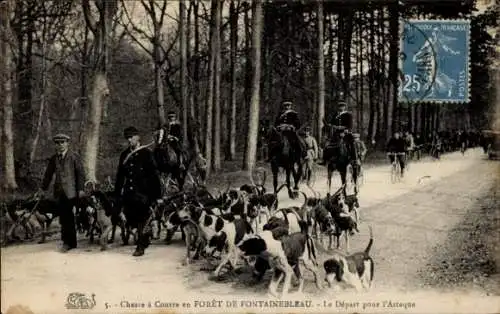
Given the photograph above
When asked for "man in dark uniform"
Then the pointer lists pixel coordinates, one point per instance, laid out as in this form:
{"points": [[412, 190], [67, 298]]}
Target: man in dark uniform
{"points": [[174, 136], [288, 121], [67, 167], [139, 186], [343, 122]]}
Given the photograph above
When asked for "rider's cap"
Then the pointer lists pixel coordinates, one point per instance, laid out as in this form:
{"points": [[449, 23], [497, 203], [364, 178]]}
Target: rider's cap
{"points": [[171, 113], [287, 103], [356, 135], [342, 103], [61, 137], [130, 131]]}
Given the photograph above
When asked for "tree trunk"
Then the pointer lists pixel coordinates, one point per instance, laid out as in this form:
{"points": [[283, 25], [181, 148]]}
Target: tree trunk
{"points": [[361, 102], [210, 92], [41, 110], [196, 70], [23, 110], [6, 90], [233, 16], [247, 81], [100, 88], [253, 121], [98, 95], [346, 54], [372, 125], [159, 90], [217, 88], [321, 73], [183, 61], [340, 50]]}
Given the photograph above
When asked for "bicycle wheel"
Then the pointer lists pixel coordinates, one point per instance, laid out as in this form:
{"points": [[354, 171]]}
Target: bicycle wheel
{"points": [[398, 172]]}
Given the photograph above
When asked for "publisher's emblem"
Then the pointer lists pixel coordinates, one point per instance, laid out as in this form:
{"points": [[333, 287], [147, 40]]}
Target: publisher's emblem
{"points": [[78, 300]]}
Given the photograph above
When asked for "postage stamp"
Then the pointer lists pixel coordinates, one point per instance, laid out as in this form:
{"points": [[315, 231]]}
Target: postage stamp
{"points": [[434, 61]]}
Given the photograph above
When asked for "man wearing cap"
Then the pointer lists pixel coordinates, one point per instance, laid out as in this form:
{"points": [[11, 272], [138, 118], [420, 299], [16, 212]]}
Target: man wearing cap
{"points": [[289, 118], [174, 136], [66, 166], [343, 122], [139, 186]]}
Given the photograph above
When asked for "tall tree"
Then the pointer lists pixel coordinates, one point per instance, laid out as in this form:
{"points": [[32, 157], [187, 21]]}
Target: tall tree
{"points": [[393, 68], [248, 73], [231, 138], [217, 87], [183, 61], [99, 91], [156, 12], [52, 22], [6, 91], [253, 121], [321, 71], [211, 84]]}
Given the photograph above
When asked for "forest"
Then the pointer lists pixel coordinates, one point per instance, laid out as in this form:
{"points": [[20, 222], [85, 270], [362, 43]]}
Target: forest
{"points": [[90, 68]]}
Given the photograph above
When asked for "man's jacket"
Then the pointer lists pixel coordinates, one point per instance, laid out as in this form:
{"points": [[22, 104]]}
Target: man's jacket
{"points": [[290, 117], [137, 174], [69, 175]]}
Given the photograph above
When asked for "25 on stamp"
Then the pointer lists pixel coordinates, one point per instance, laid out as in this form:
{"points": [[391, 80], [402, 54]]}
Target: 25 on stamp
{"points": [[435, 61]]}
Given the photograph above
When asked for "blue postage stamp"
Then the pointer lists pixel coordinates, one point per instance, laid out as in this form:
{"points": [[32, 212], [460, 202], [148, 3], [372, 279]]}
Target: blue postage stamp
{"points": [[434, 61]]}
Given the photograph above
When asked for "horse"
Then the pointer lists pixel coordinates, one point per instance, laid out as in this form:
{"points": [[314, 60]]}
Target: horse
{"points": [[168, 163], [284, 155], [337, 157]]}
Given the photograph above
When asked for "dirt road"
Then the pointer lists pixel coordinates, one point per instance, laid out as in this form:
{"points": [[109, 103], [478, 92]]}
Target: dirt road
{"points": [[412, 223]]}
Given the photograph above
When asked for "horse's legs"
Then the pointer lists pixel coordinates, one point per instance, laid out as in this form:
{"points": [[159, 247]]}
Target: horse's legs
{"points": [[355, 173], [275, 170], [288, 170], [297, 174], [329, 177]]}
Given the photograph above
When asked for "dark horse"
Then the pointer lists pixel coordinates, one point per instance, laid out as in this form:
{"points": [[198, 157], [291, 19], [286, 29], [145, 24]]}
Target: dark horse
{"points": [[337, 156], [168, 162], [284, 155]]}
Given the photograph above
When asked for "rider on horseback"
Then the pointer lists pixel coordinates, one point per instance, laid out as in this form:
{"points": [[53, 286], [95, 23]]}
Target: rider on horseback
{"points": [[342, 122], [288, 121], [174, 136]]}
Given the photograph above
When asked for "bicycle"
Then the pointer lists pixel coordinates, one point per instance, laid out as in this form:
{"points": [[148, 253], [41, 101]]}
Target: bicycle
{"points": [[396, 174], [463, 148]]}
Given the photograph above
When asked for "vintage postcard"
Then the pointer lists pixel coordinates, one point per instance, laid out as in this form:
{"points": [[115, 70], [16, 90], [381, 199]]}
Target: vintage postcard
{"points": [[249, 156]]}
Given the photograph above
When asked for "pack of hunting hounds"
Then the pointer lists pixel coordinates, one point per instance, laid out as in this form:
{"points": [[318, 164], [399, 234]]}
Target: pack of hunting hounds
{"points": [[240, 226]]}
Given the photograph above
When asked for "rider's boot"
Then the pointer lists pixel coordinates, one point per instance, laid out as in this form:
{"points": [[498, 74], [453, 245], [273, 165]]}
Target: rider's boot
{"points": [[181, 161]]}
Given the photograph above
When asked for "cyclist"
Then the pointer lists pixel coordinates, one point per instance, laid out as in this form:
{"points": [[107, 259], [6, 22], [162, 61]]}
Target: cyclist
{"points": [[437, 144], [410, 144], [462, 138], [396, 147]]}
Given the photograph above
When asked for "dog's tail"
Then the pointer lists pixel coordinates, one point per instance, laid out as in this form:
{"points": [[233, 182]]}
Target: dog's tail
{"points": [[311, 249], [370, 243], [279, 189], [305, 199]]}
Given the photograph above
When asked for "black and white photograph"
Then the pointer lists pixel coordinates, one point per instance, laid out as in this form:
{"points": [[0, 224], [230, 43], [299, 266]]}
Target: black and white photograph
{"points": [[249, 156]]}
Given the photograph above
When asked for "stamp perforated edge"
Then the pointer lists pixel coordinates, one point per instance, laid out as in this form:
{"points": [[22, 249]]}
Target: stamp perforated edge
{"points": [[468, 61]]}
